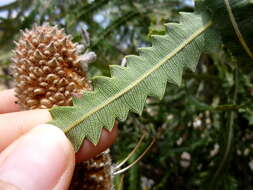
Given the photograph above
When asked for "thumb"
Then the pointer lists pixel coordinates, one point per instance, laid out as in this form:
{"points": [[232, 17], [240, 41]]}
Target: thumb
{"points": [[43, 159], [7, 186]]}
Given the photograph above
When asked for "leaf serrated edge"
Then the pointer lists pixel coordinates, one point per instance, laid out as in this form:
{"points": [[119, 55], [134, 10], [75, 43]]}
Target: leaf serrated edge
{"points": [[141, 78]]}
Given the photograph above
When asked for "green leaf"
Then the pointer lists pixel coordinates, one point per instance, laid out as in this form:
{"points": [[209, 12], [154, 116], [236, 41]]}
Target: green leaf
{"points": [[145, 75], [234, 18]]}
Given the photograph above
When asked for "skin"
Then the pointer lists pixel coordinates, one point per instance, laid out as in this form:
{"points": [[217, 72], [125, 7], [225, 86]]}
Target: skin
{"points": [[35, 155]]}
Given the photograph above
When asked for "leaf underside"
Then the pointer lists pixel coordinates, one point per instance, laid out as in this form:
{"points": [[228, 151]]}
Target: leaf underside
{"points": [[128, 87]]}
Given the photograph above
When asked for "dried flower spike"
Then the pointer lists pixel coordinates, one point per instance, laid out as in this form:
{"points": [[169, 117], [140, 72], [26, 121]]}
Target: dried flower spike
{"points": [[46, 68]]}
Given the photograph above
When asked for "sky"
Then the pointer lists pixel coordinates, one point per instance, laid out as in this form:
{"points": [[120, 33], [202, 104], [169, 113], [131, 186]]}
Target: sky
{"points": [[2, 3], [6, 2], [189, 2]]}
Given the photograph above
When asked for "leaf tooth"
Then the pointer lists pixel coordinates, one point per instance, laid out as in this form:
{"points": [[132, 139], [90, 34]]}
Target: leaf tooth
{"points": [[191, 59], [133, 60], [75, 140], [106, 86], [122, 115], [93, 131], [120, 110], [162, 42], [173, 26], [108, 122], [192, 67], [149, 56], [174, 72], [137, 64], [117, 71], [143, 51], [137, 102], [156, 87], [100, 81], [96, 133], [187, 18]]}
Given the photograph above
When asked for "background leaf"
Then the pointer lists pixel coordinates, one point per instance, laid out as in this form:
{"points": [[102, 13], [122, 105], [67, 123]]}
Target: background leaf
{"points": [[243, 15]]}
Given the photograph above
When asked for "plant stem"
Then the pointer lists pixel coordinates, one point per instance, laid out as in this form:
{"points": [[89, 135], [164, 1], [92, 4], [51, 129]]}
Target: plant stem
{"points": [[230, 133]]}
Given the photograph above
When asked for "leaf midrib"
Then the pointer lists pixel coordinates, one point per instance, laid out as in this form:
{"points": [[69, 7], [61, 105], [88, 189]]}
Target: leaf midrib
{"points": [[142, 77]]}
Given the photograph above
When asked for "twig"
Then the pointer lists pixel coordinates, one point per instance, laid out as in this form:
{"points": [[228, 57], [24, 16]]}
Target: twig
{"points": [[230, 132], [130, 154], [133, 163], [237, 30]]}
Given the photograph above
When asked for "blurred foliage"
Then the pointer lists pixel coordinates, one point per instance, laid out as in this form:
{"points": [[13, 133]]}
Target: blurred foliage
{"points": [[203, 129]]}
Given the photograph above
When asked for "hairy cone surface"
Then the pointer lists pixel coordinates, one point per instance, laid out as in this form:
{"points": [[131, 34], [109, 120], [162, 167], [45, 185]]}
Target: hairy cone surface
{"points": [[46, 68]]}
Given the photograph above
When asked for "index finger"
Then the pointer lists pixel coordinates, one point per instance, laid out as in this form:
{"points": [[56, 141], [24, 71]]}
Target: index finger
{"points": [[14, 125], [8, 101]]}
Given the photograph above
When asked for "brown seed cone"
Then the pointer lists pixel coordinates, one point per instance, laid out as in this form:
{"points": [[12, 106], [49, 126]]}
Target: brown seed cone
{"points": [[47, 73], [46, 68], [94, 174]]}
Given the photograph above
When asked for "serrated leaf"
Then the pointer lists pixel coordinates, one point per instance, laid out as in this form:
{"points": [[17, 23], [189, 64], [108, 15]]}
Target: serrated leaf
{"points": [[145, 75]]}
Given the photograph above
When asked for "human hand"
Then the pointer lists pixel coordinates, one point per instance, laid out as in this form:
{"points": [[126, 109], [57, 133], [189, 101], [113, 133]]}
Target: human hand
{"points": [[37, 156]]}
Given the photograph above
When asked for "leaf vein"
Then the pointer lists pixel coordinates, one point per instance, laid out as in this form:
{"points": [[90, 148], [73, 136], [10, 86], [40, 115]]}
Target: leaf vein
{"points": [[142, 77]]}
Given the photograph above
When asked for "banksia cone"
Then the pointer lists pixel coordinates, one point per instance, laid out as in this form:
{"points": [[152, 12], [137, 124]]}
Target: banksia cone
{"points": [[46, 68], [48, 73], [94, 174]]}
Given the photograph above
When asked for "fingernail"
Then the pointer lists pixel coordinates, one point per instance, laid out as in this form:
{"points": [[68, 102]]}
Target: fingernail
{"points": [[38, 160]]}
